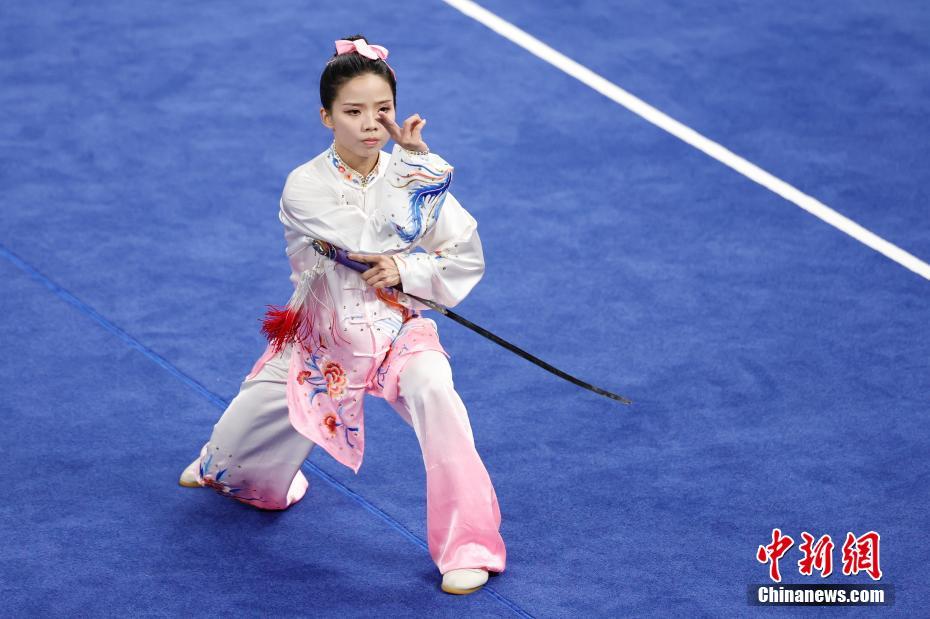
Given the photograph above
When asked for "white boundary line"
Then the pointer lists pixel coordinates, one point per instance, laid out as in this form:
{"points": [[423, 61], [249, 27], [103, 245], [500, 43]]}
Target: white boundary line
{"points": [[692, 137]]}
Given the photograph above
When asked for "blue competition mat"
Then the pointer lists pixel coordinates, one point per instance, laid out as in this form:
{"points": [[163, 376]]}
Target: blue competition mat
{"points": [[779, 368]]}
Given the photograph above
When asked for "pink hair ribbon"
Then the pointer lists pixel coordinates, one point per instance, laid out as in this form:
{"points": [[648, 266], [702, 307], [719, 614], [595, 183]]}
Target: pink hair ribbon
{"points": [[361, 47]]}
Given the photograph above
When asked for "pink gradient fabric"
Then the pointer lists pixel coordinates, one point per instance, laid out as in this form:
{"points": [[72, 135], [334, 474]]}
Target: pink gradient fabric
{"points": [[327, 383], [413, 374], [462, 513]]}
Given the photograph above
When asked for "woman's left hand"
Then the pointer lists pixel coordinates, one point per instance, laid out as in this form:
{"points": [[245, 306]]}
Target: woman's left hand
{"points": [[409, 136], [383, 274]]}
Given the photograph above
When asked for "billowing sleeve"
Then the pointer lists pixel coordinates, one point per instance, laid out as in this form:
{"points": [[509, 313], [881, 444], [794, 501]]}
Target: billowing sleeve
{"points": [[408, 201], [453, 261]]}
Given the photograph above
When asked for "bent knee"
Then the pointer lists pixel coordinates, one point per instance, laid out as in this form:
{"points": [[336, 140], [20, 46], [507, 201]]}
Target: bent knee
{"points": [[425, 371]]}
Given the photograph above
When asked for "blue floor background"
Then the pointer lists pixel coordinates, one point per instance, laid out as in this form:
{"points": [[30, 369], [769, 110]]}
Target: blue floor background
{"points": [[779, 368]]}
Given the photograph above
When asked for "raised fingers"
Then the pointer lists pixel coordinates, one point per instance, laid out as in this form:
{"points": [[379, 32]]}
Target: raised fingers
{"points": [[411, 124], [388, 123], [416, 130]]}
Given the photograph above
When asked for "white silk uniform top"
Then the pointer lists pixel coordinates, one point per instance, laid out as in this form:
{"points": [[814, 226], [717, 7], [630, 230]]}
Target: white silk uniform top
{"points": [[325, 199], [404, 204]]}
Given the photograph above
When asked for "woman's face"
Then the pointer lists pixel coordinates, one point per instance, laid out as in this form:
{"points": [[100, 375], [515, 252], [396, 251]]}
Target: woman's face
{"points": [[354, 113]]}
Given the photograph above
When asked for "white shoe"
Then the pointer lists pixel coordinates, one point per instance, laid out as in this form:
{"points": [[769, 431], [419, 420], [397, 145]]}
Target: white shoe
{"points": [[465, 580], [189, 478]]}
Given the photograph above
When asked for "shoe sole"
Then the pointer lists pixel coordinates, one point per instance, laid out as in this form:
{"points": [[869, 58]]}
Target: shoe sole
{"points": [[188, 484], [460, 591]]}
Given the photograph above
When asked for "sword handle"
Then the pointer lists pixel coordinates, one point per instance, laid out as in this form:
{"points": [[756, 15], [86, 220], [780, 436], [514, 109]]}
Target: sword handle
{"points": [[339, 255]]}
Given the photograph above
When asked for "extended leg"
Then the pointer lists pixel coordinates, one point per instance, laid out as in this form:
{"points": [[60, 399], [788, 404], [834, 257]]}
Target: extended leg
{"points": [[254, 454], [462, 518]]}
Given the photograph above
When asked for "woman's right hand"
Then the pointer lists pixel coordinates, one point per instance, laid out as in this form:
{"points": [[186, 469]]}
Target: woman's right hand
{"points": [[409, 136]]}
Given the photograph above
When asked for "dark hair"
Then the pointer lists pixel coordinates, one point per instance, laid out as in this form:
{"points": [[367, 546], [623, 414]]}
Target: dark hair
{"points": [[341, 68]]}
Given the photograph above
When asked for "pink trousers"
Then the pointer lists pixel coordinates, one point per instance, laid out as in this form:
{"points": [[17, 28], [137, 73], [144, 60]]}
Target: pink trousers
{"points": [[254, 455]]}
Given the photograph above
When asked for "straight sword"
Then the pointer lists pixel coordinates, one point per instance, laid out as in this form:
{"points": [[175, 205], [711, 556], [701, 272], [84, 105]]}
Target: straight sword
{"points": [[339, 255]]}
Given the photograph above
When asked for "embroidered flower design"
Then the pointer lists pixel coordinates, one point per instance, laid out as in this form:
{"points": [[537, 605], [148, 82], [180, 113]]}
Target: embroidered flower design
{"points": [[223, 487], [330, 423], [336, 380], [303, 375], [350, 175], [214, 482], [313, 375], [219, 486]]}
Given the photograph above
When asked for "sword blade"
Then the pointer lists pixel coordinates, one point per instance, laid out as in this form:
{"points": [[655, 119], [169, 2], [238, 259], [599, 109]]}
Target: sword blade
{"points": [[339, 255], [445, 311]]}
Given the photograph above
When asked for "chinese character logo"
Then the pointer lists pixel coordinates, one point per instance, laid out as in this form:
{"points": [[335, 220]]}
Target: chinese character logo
{"points": [[817, 556], [773, 552], [860, 554]]}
